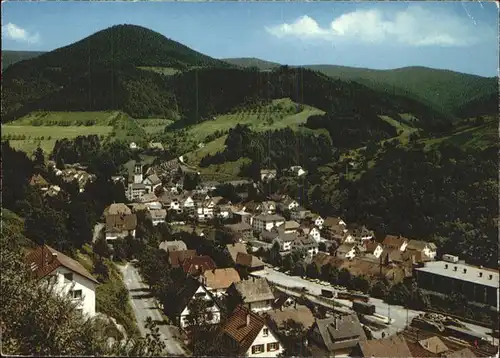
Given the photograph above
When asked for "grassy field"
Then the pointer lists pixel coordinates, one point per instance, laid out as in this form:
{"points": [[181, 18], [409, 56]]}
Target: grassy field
{"points": [[154, 125], [281, 113], [167, 71], [104, 118]]}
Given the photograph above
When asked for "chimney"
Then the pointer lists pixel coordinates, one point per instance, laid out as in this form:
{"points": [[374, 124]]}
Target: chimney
{"points": [[248, 319]]}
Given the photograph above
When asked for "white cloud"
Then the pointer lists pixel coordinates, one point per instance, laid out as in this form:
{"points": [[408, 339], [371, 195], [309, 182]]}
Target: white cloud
{"points": [[16, 33], [414, 26]]}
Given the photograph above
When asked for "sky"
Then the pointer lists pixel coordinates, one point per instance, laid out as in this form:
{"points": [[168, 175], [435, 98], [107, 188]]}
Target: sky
{"points": [[460, 36]]}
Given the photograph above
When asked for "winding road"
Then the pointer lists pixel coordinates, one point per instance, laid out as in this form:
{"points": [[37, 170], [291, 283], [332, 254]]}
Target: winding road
{"points": [[144, 305]]}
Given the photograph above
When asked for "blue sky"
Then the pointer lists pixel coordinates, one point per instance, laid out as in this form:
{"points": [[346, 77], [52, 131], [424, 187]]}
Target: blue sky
{"points": [[460, 36]]}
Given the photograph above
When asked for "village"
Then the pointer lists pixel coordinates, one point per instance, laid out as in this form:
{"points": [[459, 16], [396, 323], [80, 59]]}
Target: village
{"points": [[272, 291]]}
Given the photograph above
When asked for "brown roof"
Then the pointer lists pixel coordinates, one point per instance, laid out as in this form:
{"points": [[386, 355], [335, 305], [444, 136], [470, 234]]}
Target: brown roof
{"points": [[248, 260], [178, 257], [198, 264], [392, 241], [221, 278], [44, 260], [254, 290], [117, 209], [463, 353], [300, 314], [394, 346], [340, 332], [331, 221], [235, 248], [38, 180], [371, 245], [434, 345], [417, 351], [290, 225], [419, 245], [243, 326], [121, 222]]}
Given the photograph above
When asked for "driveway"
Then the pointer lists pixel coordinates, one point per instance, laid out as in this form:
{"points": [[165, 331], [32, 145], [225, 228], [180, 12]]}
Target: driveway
{"points": [[144, 305]]}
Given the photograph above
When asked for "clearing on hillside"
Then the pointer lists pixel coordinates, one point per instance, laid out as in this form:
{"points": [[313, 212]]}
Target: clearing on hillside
{"points": [[280, 113]]}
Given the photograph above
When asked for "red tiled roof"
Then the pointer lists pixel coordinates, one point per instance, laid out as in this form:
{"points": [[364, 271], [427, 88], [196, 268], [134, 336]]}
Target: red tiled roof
{"points": [[243, 326], [44, 260], [198, 264], [392, 241]]}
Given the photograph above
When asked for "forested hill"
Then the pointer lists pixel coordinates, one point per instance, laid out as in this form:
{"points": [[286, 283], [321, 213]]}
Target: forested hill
{"points": [[447, 90], [11, 57], [105, 71]]}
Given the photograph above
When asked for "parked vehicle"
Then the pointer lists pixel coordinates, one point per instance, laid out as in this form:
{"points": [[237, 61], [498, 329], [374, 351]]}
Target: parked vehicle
{"points": [[363, 307], [327, 293]]}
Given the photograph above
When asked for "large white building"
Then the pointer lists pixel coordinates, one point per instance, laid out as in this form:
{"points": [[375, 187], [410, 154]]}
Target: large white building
{"points": [[69, 275], [267, 222]]}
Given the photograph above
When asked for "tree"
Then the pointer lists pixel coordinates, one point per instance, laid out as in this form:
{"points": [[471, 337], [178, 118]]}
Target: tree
{"points": [[39, 160], [379, 289], [100, 269], [322, 247], [101, 247], [199, 325], [294, 338], [312, 270]]}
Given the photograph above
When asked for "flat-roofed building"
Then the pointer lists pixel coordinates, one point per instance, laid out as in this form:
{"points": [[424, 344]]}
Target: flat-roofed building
{"points": [[478, 284]]}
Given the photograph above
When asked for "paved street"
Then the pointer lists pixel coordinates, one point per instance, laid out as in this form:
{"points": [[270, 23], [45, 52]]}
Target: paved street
{"points": [[398, 314], [144, 305]]}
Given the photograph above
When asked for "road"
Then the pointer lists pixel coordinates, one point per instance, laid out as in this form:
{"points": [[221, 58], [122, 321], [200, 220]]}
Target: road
{"points": [[398, 314], [144, 305]]}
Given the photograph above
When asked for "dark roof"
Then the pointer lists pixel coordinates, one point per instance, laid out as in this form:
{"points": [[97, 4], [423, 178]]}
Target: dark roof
{"points": [[419, 245], [117, 209], [44, 260], [265, 217], [243, 326], [236, 248], [463, 353], [331, 221], [178, 257], [121, 222], [269, 236], [341, 332], [394, 346], [254, 290], [239, 227], [248, 260], [198, 264], [153, 178], [184, 295]]}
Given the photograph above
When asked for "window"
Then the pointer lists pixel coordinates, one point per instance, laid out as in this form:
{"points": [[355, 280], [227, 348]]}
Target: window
{"points": [[76, 294], [265, 332], [273, 346], [259, 348], [68, 276], [480, 274]]}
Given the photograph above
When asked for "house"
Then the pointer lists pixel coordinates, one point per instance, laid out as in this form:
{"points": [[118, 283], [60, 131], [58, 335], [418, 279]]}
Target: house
{"points": [[177, 257], [478, 284], [136, 191], [285, 241], [297, 170], [373, 247], [268, 207], [307, 244], [360, 233], [395, 242], [157, 216], [217, 281], [187, 203], [149, 198], [346, 251], [197, 265], [318, 221], [243, 216], [334, 221], [434, 345], [117, 209], [254, 294], [179, 310], [428, 250], [311, 231], [393, 346], [267, 222], [299, 213], [250, 262], [267, 174], [176, 245], [253, 207], [269, 236], [223, 211], [209, 185], [335, 229], [152, 182], [69, 275], [242, 230], [337, 335], [245, 333], [120, 226], [287, 204], [205, 209], [236, 248], [39, 181], [290, 226]]}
